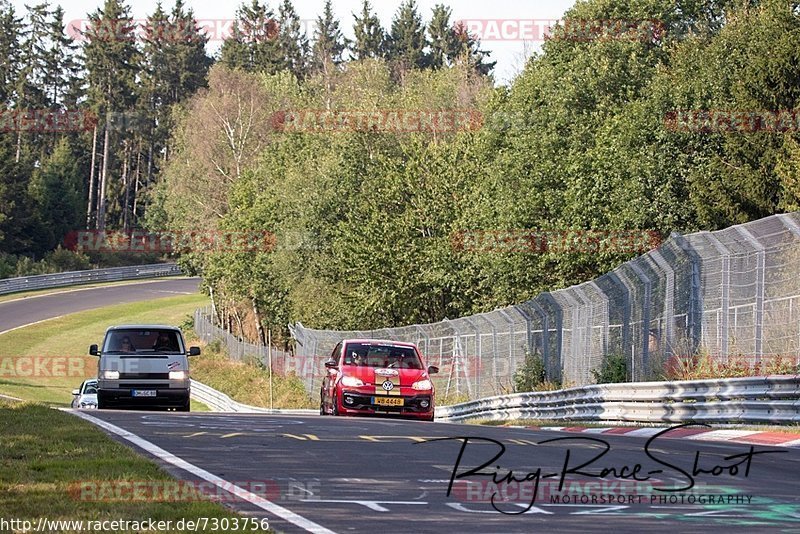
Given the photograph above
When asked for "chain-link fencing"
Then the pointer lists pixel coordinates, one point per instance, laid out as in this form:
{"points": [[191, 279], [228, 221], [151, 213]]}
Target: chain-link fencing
{"points": [[734, 293]]}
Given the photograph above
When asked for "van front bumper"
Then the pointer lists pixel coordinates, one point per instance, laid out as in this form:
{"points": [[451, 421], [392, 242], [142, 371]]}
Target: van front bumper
{"points": [[124, 397]]}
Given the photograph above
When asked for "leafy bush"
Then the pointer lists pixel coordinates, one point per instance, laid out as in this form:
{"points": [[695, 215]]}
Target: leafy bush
{"points": [[532, 376], [613, 370]]}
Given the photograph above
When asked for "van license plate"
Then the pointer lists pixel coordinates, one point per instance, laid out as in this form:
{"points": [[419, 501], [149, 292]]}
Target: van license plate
{"points": [[144, 393]]}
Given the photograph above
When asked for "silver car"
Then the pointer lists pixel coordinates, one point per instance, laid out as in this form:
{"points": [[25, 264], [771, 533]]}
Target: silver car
{"points": [[85, 397]]}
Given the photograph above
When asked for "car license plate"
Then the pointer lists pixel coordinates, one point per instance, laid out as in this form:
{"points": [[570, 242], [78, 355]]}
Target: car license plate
{"points": [[388, 401], [144, 393]]}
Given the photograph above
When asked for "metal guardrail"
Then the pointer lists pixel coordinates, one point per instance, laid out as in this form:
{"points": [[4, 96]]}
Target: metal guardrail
{"points": [[73, 278], [220, 402], [772, 399]]}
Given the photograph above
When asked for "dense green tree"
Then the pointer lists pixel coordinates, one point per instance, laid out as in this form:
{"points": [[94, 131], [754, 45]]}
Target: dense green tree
{"points": [[444, 46], [10, 48], [292, 41], [112, 63], [407, 39], [254, 43], [56, 189], [370, 39], [329, 42]]}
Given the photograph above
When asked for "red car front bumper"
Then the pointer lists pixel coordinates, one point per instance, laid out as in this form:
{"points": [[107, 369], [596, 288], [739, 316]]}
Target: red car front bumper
{"points": [[360, 401]]}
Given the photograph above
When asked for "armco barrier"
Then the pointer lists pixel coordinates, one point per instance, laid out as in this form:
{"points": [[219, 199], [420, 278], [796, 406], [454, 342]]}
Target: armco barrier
{"points": [[220, 402], [771, 399], [74, 278]]}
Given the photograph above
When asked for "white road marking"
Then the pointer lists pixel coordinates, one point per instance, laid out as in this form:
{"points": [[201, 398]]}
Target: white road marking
{"points": [[180, 463], [111, 285], [29, 324]]}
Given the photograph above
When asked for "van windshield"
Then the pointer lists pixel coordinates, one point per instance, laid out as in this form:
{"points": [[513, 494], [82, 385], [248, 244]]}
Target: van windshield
{"points": [[143, 342]]}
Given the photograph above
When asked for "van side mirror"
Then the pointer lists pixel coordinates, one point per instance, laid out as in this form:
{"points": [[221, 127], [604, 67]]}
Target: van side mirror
{"points": [[432, 370], [93, 350], [76, 392], [331, 364], [194, 351]]}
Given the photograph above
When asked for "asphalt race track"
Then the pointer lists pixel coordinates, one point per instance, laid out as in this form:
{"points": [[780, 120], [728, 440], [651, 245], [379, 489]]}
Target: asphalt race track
{"points": [[385, 475], [368, 475], [23, 311]]}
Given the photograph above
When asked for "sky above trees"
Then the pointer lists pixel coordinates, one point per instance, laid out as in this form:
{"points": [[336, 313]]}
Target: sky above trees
{"points": [[510, 55]]}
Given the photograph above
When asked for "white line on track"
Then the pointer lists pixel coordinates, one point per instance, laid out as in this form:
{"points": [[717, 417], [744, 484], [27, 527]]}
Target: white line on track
{"points": [[180, 463], [102, 285], [29, 324]]}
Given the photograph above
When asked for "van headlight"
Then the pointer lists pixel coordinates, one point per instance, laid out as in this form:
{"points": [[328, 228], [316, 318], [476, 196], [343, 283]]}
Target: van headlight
{"points": [[177, 375], [351, 382], [111, 375], [422, 385]]}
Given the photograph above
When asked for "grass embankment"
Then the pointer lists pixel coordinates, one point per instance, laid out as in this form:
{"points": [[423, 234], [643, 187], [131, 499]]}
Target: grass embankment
{"points": [[45, 361], [248, 383], [51, 463]]}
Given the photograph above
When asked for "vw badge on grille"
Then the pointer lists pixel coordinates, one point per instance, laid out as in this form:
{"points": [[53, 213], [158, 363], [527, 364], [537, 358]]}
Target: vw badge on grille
{"points": [[388, 385]]}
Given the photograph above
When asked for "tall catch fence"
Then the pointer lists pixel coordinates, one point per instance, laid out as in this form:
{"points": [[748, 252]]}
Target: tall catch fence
{"points": [[734, 293]]}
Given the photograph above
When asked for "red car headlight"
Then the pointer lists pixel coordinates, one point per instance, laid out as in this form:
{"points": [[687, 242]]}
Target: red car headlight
{"points": [[422, 385], [351, 382]]}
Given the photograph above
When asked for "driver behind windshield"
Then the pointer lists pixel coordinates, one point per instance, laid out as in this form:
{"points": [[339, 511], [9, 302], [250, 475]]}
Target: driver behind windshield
{"points": [[164, 343]]}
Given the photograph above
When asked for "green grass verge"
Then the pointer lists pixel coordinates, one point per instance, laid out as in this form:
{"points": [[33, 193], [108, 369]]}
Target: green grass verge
{"points": [[248, 383], [55, 290], [68, 338], [48, 455]]}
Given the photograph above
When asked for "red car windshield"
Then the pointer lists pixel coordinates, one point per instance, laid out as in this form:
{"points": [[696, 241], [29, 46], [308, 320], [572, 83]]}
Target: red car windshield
{"points": [[390, 356]]}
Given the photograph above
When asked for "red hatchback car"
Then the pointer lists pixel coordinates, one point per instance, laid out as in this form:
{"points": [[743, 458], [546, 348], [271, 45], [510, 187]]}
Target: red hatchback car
{"points": [[367, 376]]}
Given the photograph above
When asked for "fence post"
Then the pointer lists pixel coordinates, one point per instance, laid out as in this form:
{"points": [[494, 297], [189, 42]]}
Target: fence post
{"points": [[759, 296], [645, 316], [723, 323]]}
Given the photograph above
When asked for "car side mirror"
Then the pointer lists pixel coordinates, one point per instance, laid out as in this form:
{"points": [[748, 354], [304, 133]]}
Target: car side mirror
{"points": [[194, 351], [76, 392], [331, 364], [432, 370], [93, 350]]}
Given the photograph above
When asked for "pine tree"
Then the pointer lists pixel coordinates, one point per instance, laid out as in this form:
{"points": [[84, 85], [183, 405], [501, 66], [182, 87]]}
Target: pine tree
{"points": [[112, 64], [176, 66], [292, 41], [468, 51], [370, 38], [329, 42], [407, 40], [62, 80], [253, 45], [444, 45], [10, 46], [56, 189]]}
